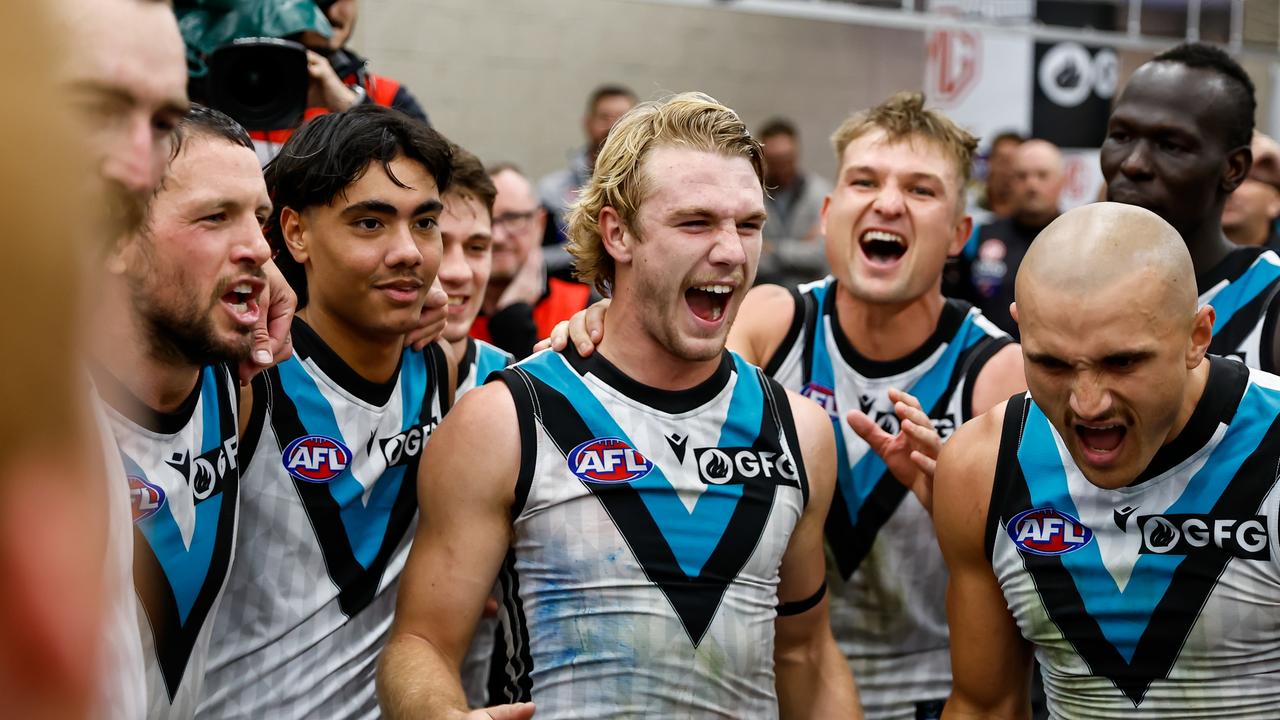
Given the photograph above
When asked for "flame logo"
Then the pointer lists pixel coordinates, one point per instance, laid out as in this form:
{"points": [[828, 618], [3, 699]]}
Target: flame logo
{"points": [[1161, 535], [715, 467]]}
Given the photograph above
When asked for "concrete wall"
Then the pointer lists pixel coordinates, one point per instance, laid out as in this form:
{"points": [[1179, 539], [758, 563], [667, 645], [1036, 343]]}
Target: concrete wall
{"points": [[508, 79]]}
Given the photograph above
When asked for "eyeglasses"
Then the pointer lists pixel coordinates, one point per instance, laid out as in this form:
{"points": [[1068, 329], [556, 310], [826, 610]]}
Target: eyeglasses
{"points": [[515, 222]]}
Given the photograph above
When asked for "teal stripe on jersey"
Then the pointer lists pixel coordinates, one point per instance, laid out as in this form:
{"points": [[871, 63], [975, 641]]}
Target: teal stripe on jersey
{"points": [[692, 535], [1244, 289]]}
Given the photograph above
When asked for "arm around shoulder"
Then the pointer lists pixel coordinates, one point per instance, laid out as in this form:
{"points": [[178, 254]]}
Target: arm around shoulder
{"points": [[813, 678], [990, 661], [466, 488]]}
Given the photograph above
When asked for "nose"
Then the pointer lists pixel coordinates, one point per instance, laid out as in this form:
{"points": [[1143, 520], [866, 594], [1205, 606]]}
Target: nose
{"points": [[403, 247], [1090, 398], [453, 270], [728, 248], [133, 159], [253, 248], [1137, 164], [889, 201]]}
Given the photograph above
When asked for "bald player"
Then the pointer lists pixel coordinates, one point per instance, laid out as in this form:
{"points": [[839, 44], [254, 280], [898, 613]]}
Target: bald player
{"points": [[1178, 144], [1120, 519]]}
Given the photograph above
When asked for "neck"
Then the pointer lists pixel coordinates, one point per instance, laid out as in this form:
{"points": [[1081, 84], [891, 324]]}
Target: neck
{"points": [[1190, 398], [122, 346], [1206, 242], [1247, 235], [373, 356], [641, 357], [492, 292], [1035, 220], [459, 347], [885, 332]]}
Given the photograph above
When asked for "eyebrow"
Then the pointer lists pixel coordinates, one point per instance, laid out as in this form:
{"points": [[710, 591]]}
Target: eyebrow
{"points": [[917, 176], [125, 98], [381, 207], [758, 216]]}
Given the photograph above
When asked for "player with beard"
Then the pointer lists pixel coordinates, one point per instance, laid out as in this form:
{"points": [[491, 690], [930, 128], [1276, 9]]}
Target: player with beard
{"points": [[328, 503], [1120, 519], [178, 311], [655, 511], [875, 344], [1178, 144]]}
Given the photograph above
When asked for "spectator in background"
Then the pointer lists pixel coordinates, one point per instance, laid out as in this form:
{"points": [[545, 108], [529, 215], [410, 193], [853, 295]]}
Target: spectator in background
{"points": [[793, 251], [1250, 213], [340, 79], [559, 190], [1000, 197], [522, 303], [1038, 181]]}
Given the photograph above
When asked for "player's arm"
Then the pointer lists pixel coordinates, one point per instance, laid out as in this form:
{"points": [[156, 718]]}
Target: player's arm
{"points": [[466, 487], [761, 323], [813, 679], [1001, 377], [990, 661]]}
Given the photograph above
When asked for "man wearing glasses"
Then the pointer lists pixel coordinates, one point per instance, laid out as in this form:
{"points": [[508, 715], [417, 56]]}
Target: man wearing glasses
{"points": [[522, 303]]}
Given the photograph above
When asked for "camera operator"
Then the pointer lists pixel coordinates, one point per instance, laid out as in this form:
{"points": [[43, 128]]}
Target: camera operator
{"points": [[340, 79]]}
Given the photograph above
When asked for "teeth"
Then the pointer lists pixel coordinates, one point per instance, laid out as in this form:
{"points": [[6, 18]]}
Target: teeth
{"points": [[456, 300], [715, 313], [884, 237], [241, 307], [243, 288], [716, 289]]}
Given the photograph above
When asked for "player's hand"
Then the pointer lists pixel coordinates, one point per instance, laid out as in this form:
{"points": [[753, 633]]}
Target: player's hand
{"points": [[327, 88], [912, 454], [585, 330], [529, 282], [519, 711], [272, 342], [435, 315]]}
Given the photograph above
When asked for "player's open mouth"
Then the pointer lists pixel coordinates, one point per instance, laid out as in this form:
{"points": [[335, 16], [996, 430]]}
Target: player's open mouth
{"points": [[882, 248], [458, 303], [707, 302], [242, 301], [1101, 443]]}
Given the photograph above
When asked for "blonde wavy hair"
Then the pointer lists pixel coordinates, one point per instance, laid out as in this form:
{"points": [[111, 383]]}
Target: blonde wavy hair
{"points": [[903, 117], [692, 120]]}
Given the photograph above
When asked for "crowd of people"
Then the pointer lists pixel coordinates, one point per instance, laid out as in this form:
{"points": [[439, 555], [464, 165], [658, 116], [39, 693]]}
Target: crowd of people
{"points": [[384, 429]]}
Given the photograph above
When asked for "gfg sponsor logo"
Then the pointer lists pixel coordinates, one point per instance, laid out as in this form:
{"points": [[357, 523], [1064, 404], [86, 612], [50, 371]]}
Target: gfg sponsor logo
{"points": [[1244, 538], [724, 466], [607, 461], [401, 449], [1047, 531], [316, 458]]}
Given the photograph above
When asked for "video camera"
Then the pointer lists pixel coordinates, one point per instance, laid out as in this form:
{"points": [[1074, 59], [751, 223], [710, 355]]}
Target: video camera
{"points": [[260, 82]]}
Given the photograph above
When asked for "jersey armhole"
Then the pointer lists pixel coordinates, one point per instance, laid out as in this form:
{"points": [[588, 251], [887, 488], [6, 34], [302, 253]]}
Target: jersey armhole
{"points": [[440, 371], [262, 384], [977, 360], [787, 423], [1267, 343], [522, 394], [1015, 413], [799, 315]]}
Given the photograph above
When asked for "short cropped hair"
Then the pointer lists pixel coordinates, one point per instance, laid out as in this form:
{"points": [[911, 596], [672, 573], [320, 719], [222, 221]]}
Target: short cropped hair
{"points": [[471, 180], [777, 126], [690, 120], [330, 153], [904, 117], [204, 121], [1237, 122], [608, 91]]}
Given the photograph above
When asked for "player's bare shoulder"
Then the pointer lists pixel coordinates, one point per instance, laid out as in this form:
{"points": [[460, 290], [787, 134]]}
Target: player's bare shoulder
{"points": [[965, 476], [817, 443], [766, 313], [478, 442]]}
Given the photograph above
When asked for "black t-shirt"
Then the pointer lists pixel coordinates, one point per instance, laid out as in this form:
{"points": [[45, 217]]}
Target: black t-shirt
{"points": [[986, 279]]}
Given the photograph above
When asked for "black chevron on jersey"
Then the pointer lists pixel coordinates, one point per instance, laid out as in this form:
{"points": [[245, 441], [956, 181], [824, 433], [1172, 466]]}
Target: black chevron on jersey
{"points": [[694, 599]]}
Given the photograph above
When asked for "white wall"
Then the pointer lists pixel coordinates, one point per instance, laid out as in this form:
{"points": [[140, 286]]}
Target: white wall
{"points": [[508, 79]]}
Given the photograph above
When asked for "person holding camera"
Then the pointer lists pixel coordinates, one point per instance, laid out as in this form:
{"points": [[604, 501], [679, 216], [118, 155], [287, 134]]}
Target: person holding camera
{"points": [[340, 78]]}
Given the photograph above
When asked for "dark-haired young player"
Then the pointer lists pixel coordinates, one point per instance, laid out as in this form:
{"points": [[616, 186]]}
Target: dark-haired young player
{"points": [[332, 448], [1178, 144]]}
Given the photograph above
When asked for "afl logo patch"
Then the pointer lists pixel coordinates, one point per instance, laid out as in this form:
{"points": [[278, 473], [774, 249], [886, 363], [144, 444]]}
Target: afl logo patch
{"points": [[824, 396], [1047, 531], [607, 461], [316, 458], [146, 499]]}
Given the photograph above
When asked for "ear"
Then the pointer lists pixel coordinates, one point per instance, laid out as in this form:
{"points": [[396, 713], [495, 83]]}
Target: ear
{"points": [[294, 234], [1201, 335], [1239, 162], [963, 230], [618, 241], [822, 216], [1013, 312]]}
